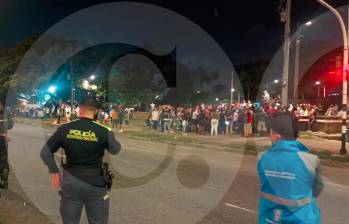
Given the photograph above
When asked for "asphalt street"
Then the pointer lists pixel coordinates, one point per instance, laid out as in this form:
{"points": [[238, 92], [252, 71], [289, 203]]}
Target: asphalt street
{"points": [[160, 183]]}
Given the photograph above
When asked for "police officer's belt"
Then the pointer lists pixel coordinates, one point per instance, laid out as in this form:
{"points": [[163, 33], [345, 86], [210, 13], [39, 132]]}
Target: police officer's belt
{"points": [[83, 172], [284, 201]]}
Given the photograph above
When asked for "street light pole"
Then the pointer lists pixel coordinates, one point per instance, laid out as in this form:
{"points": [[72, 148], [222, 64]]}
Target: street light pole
{"points": [[318, 88], [231, 88], [343, 149], [296, 64], [286, 17], [318, 91], [296, 70], [72, 87]]}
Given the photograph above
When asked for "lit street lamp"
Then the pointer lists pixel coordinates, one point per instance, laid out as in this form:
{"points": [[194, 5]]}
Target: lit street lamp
{"points": [[318, 88], [92, 77], [52, 89], [308, 23], [232, 88], [276, 81], [232, 95], [85, 84], [217, 99]]}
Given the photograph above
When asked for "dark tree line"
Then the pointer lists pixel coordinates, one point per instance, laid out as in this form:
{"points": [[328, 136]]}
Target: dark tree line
{"points": [[133, 79]]}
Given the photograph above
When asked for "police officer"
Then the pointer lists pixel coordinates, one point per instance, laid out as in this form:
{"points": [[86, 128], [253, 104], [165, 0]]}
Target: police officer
{"points": [[84, 142], [6, 123], [290, 177]]}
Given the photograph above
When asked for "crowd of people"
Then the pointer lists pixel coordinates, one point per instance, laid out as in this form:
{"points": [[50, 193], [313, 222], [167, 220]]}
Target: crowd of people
{"points": [[117, 116], [114, 115], [245, 118]]}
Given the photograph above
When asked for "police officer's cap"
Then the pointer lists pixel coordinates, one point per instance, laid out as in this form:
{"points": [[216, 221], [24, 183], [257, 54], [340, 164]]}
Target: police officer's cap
{"points": [[285, 125], [89, 102]]}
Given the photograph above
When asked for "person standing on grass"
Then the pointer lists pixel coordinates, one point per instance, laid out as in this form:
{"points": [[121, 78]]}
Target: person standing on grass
{"points": [[261, 121], [202, 122], [121, 117], [155, 117], [214, 121], [194, 120], [248, 122], [221, 121], [114, 118]]}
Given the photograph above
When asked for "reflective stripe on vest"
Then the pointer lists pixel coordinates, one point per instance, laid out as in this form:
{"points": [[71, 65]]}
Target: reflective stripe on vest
{"points": [[286, 202]]}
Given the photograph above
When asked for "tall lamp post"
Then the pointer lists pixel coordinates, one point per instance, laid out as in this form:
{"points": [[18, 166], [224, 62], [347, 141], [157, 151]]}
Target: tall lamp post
{"points": [[296, 64], [286, 18], [72, 89], [343, 149], [232, 87]]}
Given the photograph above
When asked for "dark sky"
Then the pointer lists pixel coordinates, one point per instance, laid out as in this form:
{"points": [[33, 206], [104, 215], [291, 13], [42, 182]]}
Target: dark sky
{"points": [[248, 30]]}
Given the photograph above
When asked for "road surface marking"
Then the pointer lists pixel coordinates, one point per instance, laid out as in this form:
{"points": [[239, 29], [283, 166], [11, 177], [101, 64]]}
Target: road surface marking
{"points": [[336, 185], [241, 208]]}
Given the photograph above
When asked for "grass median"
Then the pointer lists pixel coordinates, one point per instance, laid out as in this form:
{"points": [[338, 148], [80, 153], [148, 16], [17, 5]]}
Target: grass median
{"points": [[248, 147], [137, 130]]}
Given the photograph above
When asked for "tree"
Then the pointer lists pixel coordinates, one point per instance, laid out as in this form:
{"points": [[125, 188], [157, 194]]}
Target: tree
{"points": [[250, 75], [35, 68], [134, 79]]}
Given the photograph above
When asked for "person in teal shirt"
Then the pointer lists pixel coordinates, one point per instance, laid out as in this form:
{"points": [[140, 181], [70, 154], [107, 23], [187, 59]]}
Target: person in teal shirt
{"points": [[290, 177]]}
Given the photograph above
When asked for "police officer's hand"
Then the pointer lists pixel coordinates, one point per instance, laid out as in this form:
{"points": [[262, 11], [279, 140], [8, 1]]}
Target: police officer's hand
{"points": [[56, 180]]}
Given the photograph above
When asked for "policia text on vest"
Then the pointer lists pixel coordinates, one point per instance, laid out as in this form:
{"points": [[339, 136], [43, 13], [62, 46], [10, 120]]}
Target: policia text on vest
{"points": [[84, 142]]}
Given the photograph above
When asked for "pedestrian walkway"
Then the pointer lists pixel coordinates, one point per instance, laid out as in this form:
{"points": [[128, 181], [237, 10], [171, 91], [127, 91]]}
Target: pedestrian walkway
{"points": [[322, 145]]}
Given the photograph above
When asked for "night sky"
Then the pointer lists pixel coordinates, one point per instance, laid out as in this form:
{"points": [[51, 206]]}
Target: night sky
{"points": [[246, 30]]}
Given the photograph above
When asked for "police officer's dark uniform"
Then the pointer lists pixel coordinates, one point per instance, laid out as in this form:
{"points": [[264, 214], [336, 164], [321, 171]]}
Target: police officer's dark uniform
{"points": [[84, 142], [6, 123]]}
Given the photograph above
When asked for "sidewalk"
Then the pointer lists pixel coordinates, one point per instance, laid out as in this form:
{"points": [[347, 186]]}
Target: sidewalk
{"points": [[317, 144], [322, 145]]}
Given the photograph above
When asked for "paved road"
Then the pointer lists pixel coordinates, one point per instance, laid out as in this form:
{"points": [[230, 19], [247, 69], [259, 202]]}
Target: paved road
{"points": [[160, 183]]}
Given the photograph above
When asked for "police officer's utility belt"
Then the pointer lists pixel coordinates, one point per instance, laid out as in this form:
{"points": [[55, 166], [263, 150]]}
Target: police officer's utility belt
{"points": [[284, 201], [104, 172], [85, 172]]}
